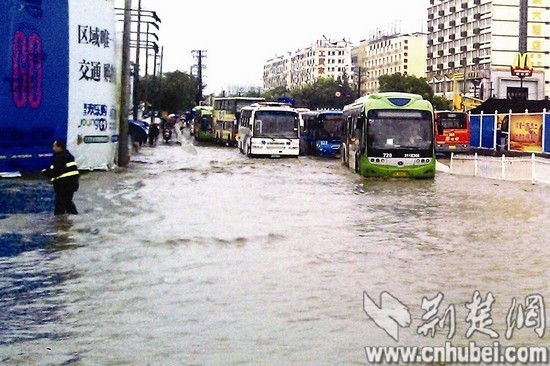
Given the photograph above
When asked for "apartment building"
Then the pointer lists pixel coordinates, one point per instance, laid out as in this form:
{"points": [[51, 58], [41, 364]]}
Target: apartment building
{"points": [[324, 58], [480, 39], [386, 55]]}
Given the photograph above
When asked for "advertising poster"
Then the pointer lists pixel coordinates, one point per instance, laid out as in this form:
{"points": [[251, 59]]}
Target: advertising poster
{"points": [[92, 127], [526, 132], [33, 87]]}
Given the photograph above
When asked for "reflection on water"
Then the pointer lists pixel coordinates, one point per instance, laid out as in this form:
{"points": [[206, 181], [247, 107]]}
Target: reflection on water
{"points": [[215, 259]]}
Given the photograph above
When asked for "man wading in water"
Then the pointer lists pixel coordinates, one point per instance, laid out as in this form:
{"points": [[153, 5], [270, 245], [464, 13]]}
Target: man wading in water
{"points": [[63, 173]]}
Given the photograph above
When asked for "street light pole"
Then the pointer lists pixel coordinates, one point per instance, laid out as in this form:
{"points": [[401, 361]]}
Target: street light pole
{"points": [[123, 151]]}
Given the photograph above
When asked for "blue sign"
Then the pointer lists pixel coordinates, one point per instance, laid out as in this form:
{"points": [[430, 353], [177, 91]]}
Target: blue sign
{"points": [[34, 81], [286, 100]]}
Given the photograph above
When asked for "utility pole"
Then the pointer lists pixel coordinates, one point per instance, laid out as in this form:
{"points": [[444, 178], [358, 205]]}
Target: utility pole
{"points": [[123, 152], [359, 74], [136, 64], [199, 55]]}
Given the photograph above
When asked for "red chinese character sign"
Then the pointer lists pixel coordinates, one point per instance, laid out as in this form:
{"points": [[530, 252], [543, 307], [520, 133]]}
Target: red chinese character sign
{"points": [[526, 131]]}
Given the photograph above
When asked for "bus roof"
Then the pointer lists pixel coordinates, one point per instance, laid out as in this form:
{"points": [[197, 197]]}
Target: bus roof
{"points": [[240, 98], [202, 107], [396, 99], [270, 106]]}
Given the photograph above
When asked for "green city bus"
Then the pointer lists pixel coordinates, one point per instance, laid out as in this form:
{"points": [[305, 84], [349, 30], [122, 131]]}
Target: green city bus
{"points": [[389, 135], [202, 123]]}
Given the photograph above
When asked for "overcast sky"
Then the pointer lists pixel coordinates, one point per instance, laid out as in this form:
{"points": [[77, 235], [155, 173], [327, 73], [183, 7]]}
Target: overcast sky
{"points": [[239, 36]]}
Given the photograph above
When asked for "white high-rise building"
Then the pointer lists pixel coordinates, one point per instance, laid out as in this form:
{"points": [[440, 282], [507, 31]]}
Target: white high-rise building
{"points": [[387, 55], [480, 39], [324, 58]]}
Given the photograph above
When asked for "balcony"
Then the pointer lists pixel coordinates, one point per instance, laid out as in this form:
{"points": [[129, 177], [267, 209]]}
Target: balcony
{"points": [[464, 33], [464, 20], [440, 39], [451, 64], [452, 36], [440, 26], [452, 23], [463, 48]]}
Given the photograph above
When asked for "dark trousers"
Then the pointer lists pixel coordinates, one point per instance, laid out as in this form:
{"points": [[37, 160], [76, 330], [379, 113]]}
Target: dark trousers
{"points": [[64, 203]]}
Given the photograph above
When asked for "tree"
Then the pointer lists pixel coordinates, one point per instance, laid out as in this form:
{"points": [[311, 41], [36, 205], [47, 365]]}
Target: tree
{"points": [[324, 93], [273, 94], [173, 92], [441, 103], [412, 84]]}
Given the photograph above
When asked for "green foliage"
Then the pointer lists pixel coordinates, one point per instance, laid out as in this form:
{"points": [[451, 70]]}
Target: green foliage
{"points": [[412, 84], [441, 103], [321, 94], [173, 92], [406, 84], [273, 94]]}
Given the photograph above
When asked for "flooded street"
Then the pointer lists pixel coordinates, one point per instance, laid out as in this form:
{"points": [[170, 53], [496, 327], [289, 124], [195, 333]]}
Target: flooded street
{"points": [[198, 255]]}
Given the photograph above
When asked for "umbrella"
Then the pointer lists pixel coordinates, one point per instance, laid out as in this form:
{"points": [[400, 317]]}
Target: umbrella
{"points": [[138, 130]]}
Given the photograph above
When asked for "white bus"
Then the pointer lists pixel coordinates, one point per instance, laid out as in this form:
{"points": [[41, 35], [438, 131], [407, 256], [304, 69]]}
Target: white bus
{"points": [[269, 129]]}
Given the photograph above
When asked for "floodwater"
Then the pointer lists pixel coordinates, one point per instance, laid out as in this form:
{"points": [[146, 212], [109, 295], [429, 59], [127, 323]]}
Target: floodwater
{"points": [[198, 255]]}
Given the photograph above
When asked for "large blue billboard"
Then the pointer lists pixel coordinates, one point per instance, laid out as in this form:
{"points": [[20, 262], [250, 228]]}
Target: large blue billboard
{"points": [[34, 81]]}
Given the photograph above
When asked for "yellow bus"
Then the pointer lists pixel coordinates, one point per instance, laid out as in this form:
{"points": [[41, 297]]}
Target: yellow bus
{"points": [[225, 114]]}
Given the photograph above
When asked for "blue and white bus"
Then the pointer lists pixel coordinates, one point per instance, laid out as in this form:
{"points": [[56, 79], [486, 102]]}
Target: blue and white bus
{"points": [[322, 133]]}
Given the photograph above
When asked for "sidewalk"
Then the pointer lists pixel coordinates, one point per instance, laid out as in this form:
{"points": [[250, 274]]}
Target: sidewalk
{"points": [[511, 166]]}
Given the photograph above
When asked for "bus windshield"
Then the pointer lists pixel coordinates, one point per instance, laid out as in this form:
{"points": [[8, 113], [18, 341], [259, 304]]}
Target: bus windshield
{"points": [[206, 123], [276, 124], [329, 127], [399, 129], [451, 120]]}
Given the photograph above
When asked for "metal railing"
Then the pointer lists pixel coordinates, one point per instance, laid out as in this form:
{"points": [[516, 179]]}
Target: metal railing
{"points": [[527, 168]]}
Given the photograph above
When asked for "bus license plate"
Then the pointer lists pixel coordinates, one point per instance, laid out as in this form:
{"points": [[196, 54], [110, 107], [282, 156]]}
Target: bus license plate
{"points": [[399, 174], [451, 147]]}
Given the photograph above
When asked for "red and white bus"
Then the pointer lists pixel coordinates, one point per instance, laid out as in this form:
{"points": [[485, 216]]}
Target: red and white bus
{"points": [[452, 131]]}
